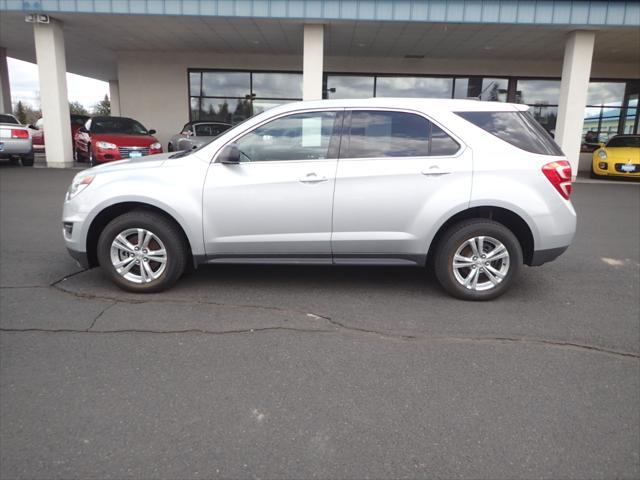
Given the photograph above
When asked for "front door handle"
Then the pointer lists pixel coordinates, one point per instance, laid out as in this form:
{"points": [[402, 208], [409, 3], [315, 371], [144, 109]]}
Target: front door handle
{"points": [[434, 171], [312, 178]]}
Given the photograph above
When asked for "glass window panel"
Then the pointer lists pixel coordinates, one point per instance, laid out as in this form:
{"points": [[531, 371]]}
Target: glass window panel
{"points": [[194, 84], [605, 93], [277, 85], [226, 84], [441, 143], [517, 128], [347, 86], [422, 87], [488, 89], [228, 110], [538, 92], [194, 108], [600, 124], [377, 134], [632, 111], [303, 136], [546, 116]]}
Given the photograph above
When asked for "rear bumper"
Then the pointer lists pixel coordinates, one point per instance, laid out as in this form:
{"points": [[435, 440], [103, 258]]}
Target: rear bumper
{"points": [[540, 257], [11, 147]]}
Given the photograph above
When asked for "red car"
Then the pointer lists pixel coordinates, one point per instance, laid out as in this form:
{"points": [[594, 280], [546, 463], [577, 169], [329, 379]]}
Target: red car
{"points": [[106, 139], [37, 133]]}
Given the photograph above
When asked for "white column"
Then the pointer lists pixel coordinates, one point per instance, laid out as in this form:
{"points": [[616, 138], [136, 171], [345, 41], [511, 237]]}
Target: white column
{"points": [[576, 69], [114, 97], [312, 62], [52, 68], [5, 89]]}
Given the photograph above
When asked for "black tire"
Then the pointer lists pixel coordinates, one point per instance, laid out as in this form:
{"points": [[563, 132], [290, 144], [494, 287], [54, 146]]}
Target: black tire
{"points": [[456, 237], [170, 147], [165, 230], [27, 160], [593, 174], [90, 159]]}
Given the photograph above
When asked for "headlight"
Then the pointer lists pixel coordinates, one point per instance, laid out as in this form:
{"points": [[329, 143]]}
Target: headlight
{"points": [[78, 185], [155, 146], [602, 154], [106, 145]]}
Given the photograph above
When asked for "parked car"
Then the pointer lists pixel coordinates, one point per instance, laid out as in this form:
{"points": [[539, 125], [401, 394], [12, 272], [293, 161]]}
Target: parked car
{"points": [[619, 157], [37, 133], [106, 139], [474, 189], [196, 134], [15, 140]]}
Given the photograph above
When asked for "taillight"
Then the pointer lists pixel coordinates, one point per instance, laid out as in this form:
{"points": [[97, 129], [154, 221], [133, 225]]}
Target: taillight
{"points": [[19, 134], [559, 174]]}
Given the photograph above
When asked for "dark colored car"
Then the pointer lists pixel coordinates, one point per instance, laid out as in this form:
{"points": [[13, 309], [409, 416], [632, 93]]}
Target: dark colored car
{"points": [[106, 139]]}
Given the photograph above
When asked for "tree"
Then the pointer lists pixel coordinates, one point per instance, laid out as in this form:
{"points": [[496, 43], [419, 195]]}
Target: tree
{"points": [[76, 108], [102, 108], [20, 113]]}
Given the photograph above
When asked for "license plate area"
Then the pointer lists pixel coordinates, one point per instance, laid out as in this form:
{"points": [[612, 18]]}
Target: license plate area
{"points": [[135, 154]]}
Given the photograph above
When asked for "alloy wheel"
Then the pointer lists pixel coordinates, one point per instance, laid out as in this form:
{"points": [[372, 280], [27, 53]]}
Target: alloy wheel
{"points": [[138, 255], [481, 263]]}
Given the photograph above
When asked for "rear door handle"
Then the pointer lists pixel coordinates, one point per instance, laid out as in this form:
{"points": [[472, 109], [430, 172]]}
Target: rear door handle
{"points": [[434, 171], [312, 178]]}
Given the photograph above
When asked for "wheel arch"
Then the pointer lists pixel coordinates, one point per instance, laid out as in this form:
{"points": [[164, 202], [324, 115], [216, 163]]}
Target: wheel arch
{"points": [[112, 211], [504, 216]]}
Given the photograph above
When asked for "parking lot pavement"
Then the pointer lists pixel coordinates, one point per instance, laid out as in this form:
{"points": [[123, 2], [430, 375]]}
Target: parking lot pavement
{"points": [[298, 372]]}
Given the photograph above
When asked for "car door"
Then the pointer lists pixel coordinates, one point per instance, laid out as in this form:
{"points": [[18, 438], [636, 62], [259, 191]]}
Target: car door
{"points": [[398, 174], [277, 201]]}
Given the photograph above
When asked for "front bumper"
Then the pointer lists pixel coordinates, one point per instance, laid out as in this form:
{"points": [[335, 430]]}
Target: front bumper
{"points": [[80, 257]]}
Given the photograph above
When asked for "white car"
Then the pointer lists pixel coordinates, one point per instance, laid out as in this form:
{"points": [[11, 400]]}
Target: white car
{"points": [[474, 189], [16, 142]]}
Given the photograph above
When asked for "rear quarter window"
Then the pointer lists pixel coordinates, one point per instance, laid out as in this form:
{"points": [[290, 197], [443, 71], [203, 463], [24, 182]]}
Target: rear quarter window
{"points": [[519, 129]]}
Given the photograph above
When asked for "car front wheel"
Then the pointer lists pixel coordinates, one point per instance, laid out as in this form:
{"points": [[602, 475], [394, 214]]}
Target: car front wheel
{"points": [[478, 259], [142, 252]]}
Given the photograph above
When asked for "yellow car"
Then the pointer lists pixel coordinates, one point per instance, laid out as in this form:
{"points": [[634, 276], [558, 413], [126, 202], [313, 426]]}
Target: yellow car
{"points": [[620, 157]]}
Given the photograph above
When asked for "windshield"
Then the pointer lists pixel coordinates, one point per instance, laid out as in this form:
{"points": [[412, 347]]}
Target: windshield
{"points": [[624, 142], [8, 119], [125, 126]]}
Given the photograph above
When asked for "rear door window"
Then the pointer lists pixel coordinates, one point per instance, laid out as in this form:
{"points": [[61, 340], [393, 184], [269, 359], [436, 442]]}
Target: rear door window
{"points": [[380, 134], [517, 128]]}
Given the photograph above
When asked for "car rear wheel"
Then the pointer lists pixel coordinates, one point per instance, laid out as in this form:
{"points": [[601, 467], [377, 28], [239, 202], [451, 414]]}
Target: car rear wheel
{"points": [[478, 260], [142, 252], [170, 147], [27, 160]]}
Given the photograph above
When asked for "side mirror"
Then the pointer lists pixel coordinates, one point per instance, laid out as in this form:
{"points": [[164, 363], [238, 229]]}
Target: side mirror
{"points": [[32, 127], [152, 132], [229, 155], [602, 145], [83, 130]]}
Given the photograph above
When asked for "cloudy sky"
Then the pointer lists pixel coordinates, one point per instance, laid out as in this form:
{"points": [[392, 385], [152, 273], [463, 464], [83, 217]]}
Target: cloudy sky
{"points": [[23, 78]]}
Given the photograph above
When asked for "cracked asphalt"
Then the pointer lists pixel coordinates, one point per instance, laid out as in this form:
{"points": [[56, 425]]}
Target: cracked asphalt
{"points": [[318, 372]]}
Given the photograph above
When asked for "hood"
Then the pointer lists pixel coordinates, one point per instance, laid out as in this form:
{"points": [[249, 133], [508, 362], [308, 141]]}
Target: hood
{"points": [[122, 140], [149, 161], [623, 154]]}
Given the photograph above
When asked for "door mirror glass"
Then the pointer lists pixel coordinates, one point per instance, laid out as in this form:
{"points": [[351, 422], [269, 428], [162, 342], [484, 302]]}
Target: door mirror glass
{"points": [[230, 154], [152, 132], [83, 130]]}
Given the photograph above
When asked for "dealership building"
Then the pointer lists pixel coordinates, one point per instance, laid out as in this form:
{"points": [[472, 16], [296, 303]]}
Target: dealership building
{"points": [[576, 63]]}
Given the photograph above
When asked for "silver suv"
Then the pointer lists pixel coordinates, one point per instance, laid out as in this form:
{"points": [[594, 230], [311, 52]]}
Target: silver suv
{"points": [[473, 189]]}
